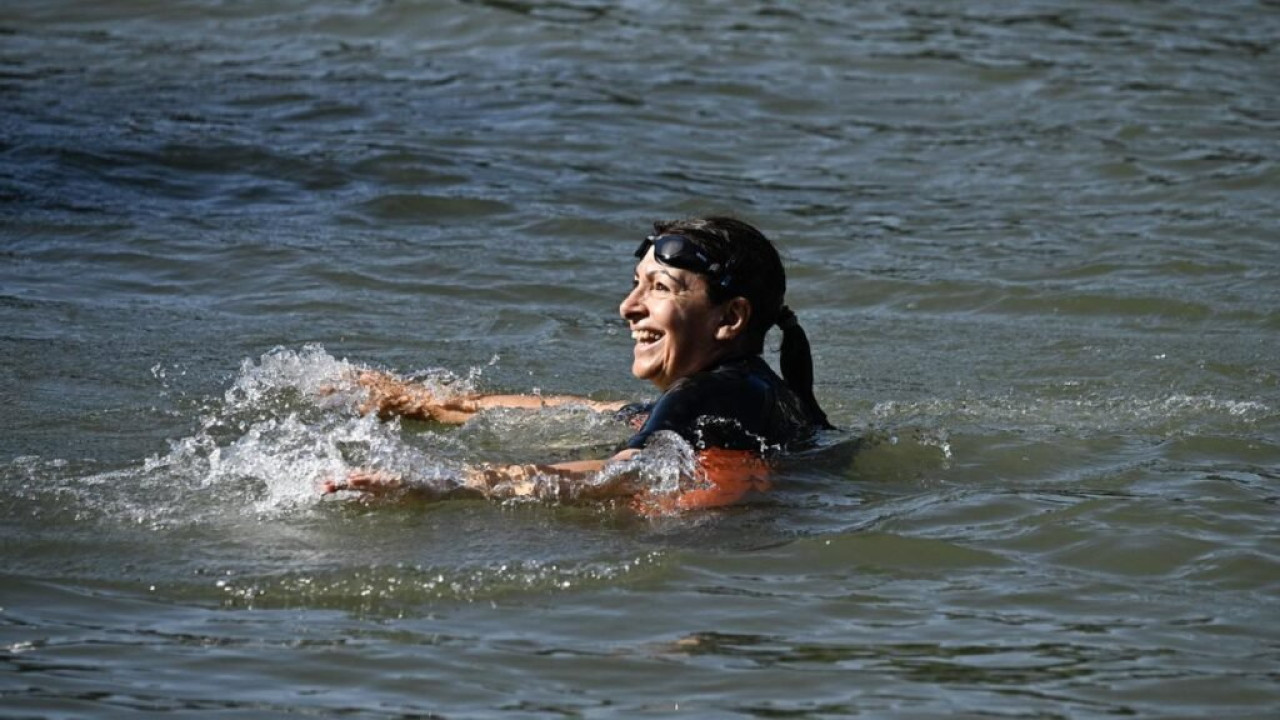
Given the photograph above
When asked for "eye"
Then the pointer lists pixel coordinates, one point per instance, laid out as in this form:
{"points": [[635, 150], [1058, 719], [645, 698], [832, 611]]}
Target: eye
{"points": [[661, 287]]}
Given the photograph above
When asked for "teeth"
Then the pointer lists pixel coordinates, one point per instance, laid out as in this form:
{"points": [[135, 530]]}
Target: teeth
{"points": [[645, 336]]}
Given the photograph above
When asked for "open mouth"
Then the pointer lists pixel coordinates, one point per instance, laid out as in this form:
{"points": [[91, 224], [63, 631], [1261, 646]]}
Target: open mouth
{"points": [[646, 337]]}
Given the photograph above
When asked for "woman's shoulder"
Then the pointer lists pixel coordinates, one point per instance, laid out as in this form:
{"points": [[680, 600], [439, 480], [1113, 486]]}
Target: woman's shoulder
{"points": [[744, 390], [746, 371]]}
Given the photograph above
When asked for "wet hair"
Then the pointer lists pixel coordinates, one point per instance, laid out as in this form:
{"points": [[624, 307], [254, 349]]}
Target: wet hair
{"points": [[755, 272]]}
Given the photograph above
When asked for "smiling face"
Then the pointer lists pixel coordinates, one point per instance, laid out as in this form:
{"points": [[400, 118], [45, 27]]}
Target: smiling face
{"points": [[676, 328]]}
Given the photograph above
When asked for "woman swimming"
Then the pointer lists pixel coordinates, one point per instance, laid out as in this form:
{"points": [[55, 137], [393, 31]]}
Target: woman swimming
{"points": [[705, 293]]}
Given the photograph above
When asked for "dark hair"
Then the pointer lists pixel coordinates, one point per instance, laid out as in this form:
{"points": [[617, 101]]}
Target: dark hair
{"points": [[755, 272]]}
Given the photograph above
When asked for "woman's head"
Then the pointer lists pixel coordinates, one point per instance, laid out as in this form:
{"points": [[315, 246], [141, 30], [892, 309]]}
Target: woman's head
{"points": [[678, 320], [749, 268], [710, 288]]}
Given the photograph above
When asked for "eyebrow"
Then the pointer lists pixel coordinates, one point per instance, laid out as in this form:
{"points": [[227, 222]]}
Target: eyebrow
{"points": [[654, 271]]}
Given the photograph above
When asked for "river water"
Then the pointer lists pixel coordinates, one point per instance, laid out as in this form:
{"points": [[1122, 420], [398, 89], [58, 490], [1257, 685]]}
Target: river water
{"points": [[1034, 244]]}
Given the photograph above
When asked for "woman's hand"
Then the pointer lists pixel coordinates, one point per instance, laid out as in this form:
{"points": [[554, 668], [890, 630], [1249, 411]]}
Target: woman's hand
{"points": [[369, 481], [388, 396]]}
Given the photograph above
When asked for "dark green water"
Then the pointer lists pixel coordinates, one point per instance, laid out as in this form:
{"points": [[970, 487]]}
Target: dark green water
{"points": [[1035, 245]]}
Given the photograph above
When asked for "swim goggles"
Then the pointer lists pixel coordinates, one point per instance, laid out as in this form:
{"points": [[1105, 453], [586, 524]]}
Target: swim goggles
{"points": [[678, 251]]}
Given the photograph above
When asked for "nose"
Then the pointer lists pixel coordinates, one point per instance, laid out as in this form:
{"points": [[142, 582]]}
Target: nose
{"points": [[632, 308]]}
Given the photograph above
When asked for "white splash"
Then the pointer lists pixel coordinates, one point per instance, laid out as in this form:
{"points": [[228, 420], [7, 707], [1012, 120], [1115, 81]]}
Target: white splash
{"points": [[286, 425]]}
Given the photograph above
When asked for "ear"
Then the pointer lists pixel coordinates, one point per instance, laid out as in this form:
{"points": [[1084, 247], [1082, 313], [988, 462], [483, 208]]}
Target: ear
{"points": [[734, 317]]}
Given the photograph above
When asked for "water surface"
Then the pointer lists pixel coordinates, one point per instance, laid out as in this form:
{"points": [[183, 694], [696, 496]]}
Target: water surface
{"points": [[1034, 245]]}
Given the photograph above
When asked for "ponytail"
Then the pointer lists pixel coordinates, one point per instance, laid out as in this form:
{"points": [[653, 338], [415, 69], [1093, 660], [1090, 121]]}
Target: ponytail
{"points": [[796, 360], [753, 270]]}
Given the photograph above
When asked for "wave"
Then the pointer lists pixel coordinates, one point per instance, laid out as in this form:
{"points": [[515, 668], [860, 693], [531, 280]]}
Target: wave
{"points": [[1170, 415]]}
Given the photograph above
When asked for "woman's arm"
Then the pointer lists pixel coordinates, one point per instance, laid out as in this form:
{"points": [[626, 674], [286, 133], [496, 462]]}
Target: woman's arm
{"points": [[562, 482], [389, 395], [576, 480], [723, 477]]}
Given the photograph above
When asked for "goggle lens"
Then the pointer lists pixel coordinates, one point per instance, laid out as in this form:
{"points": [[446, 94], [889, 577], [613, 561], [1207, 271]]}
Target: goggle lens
{"points": [[679, 251]]}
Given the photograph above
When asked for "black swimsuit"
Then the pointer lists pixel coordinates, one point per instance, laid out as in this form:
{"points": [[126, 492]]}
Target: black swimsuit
{"points": [[740, 404]]}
